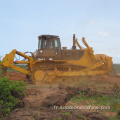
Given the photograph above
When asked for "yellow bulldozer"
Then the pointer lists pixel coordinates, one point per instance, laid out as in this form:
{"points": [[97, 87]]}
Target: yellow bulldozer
{"points": [[50, 62]]}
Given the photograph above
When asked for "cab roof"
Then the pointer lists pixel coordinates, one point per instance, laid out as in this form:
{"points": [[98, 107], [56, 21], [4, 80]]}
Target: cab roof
{"points": [[48, 36]]}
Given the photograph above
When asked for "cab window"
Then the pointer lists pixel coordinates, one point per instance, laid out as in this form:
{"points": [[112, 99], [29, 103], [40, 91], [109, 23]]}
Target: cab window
{"points": [[44, 44], [56, 43], [50, 44], [56, 46], [39, 44]]}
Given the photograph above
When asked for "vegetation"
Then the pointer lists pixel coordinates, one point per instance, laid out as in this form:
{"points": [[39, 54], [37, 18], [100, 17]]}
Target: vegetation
{"points": [[67, 114], [101, 103], [22, 66], [7, 101], [117, 68], [0, 67], [80, 117], [94, 100], [59, 118]]}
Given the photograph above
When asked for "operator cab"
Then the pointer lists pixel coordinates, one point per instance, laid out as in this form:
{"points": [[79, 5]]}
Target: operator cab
{"points": [[49, 42], [48, 47]]}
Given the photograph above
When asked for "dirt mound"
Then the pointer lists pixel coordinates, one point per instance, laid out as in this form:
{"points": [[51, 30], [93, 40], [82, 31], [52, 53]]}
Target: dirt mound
{"points": [[34, 97], [38, 104], [60, 97], [56, 99], [20, 114], [16, 76], [63, 95], [50, 114], [48, 97], [95, 116]]}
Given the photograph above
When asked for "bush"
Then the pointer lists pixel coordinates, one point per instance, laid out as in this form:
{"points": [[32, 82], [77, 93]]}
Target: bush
{"points": [[0, 68], [7, 101]]}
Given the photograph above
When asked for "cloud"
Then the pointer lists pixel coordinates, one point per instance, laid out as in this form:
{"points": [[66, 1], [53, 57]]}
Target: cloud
{"points": [[104, 34]]}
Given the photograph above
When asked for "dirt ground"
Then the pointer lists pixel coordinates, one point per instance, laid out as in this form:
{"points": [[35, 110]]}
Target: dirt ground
{"points": [[44, 102]]}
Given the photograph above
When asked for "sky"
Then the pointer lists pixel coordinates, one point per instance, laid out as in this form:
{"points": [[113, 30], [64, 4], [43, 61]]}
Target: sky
{"points": [[22, 21]]}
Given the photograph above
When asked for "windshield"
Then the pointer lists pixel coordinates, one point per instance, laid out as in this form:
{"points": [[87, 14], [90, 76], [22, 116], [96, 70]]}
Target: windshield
{"points": [[50, 44], [44, 44]]}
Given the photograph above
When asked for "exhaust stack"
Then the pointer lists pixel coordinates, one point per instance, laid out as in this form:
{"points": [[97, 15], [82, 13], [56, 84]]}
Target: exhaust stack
{"points": [[74, 46]]}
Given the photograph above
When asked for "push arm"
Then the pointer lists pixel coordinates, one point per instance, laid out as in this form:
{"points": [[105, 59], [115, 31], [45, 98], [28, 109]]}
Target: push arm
{"points": [[8, 61]]}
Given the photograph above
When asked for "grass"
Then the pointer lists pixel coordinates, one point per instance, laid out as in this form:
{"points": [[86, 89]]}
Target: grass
{"points": [[59, 118], [102, 104], [101, 101], [67, 114]]}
